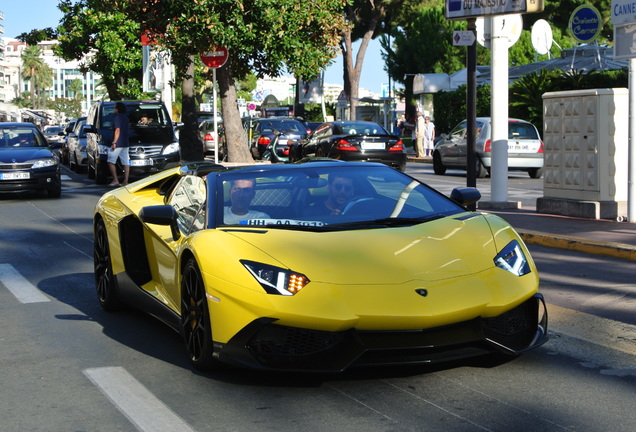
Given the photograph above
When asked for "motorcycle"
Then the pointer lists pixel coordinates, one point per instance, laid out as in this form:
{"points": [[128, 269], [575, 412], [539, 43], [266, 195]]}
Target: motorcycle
{"points": [[278, 149]]}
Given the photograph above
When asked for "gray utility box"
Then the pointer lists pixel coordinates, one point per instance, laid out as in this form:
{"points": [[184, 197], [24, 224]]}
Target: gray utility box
{"points": [[586, 139]]}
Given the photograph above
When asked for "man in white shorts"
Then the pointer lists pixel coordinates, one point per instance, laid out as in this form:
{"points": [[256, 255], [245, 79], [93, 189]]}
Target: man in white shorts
{"points": [[119, 148]]}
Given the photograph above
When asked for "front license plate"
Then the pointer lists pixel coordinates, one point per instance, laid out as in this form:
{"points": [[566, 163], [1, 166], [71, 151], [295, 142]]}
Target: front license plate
{"points": [[372, 146], [15, 176], [141, 162]]}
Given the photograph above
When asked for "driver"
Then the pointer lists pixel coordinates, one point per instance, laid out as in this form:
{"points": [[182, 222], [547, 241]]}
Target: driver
{"points": [[241, 195], [339, 192]]}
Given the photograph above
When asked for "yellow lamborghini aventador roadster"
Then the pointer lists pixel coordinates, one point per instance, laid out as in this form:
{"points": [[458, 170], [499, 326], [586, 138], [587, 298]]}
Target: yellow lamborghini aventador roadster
{"points": [[317, 266]]}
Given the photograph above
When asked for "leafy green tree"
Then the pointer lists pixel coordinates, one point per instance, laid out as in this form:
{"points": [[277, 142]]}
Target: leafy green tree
{"points": [[37, 73], [422, 44], [105, 40], [266, 37], [366, 20], [37, 35], [67, 108]]}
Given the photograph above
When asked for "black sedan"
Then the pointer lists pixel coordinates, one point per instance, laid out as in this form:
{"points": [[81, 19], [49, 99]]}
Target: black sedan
{"points": [[26, 161], [353, 141]]}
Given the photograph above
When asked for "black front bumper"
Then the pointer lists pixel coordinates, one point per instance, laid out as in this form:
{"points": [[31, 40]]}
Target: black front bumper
{"points": [[265, 345]]}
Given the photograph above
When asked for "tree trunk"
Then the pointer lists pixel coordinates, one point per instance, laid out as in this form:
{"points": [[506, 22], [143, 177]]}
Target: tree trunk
{"points": [[237, 146], [189, 141], [352, 71]]}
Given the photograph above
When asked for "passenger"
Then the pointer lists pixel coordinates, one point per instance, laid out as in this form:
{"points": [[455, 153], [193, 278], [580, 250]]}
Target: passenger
{"points": [[241, 195], [144, 120], [339, 192]]}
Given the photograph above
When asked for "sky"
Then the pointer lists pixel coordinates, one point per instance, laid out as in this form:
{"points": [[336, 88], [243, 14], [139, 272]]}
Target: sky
{"points": [[26, 15]]}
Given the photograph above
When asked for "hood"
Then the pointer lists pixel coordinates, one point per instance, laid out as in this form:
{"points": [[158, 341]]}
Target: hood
{"points": [[23, 154], [431, 251]]}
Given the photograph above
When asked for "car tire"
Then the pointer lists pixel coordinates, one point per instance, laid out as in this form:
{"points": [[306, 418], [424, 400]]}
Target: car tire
{"points": [[90, 169], [195, 318], [104, 279], [101, 174], [56, 190], [535, 173], [438, 165], [480, 170], [320, 152]]}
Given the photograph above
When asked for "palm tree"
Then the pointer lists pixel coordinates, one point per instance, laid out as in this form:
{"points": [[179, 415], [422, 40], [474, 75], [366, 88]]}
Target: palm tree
{"points": [[37, 72], [76, 87]]}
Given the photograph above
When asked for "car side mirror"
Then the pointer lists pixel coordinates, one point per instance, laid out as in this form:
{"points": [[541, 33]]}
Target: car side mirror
{"points": [[161, 215], [465, 196]]}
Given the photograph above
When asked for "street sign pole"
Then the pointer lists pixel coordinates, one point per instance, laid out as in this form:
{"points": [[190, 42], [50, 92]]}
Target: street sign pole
{"points": [[216, 128], [471, 109], [623, 17], [499, 112], [215, 59]]}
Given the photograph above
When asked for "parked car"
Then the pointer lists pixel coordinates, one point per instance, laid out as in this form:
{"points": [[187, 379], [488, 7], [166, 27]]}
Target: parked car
{"points": [[208, 116], [56, 137], [209, 138], [525, 148], [26, 160], [353, 141], [54, 133], [401, 275], [153, 144], [76, 143], [261, 131]]}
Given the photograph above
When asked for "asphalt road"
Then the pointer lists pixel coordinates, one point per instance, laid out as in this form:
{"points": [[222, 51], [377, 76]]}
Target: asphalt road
{"points": [[69, 366]]}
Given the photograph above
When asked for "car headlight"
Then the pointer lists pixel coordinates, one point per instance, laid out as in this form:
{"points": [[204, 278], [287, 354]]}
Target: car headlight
{"points": [[43, 163], [172, 148], [102, 149], [276, 280], [512, 259]]}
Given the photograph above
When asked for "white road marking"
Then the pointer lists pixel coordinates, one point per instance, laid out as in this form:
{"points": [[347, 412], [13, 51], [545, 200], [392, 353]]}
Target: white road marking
{"points": [[130, 397], [65, 177], [21, 288]]}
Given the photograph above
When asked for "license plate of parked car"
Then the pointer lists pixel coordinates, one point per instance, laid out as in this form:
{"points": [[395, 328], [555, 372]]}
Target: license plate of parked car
{"points": [[372, 146], [141, 162], [15, 176]]}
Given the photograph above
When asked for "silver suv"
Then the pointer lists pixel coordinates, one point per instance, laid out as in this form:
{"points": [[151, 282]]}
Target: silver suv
{"points": [[525, 148], [153, 144]]}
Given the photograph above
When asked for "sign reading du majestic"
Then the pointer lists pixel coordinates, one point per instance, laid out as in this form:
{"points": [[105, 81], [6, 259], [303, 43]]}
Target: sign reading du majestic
{"points": [[460, 9]]}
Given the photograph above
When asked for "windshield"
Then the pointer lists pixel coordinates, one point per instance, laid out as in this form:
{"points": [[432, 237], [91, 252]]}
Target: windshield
{"points": [[360, 128], [139, 114], [322, 196], [20, 136]]}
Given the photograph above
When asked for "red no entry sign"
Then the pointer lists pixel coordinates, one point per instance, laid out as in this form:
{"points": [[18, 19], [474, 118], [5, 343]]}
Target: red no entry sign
{"points": [[214, 58]]}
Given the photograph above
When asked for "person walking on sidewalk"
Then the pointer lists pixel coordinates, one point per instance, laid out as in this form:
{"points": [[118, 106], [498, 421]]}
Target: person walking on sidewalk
{"points": [[419, 135], [429, 136], [119, 148]]}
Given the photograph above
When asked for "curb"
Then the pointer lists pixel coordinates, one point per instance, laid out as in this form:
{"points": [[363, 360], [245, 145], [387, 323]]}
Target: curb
{"points": [[616, 250]]}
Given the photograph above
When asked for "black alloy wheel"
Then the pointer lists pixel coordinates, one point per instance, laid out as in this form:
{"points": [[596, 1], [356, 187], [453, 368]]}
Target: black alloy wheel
{"points": [[195, 319], [104, 279]]}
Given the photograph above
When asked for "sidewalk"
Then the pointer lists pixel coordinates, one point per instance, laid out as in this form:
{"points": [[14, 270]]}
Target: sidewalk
{"points": [[595, 236]]}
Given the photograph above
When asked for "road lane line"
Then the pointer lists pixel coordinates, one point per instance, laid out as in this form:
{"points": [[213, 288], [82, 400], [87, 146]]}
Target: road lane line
{"points": [[130, 397], [21, 288]]}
